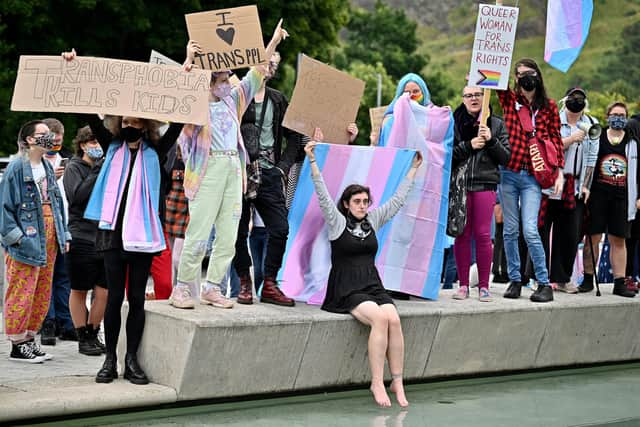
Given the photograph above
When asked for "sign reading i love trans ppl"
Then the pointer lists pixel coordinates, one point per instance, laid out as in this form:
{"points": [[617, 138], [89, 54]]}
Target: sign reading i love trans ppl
{"points": [[493, 46], [230, 38], [111, 86]]}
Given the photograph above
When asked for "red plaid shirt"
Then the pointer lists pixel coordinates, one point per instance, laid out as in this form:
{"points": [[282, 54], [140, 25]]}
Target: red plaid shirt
{"points": [[547, 124]]}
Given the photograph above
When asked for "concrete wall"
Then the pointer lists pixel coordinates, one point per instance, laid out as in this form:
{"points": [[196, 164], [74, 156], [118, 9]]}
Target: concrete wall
{"points": [[209, 352]]}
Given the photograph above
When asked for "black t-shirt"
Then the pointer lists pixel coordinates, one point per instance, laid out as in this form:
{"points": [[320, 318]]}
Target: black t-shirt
{"points": [[612, 166]]}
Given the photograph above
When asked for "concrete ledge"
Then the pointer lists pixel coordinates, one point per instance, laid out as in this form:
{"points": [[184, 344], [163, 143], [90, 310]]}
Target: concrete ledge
{"points": [[75, 395], [211, 353]]}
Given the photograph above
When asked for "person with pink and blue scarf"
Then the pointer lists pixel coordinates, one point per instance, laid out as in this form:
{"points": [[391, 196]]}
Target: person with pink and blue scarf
{"points": [[214, 182], [126, 201]]}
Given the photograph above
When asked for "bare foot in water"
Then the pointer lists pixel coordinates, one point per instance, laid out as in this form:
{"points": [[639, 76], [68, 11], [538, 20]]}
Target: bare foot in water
{"points": [[380, 395], [398, 389]]}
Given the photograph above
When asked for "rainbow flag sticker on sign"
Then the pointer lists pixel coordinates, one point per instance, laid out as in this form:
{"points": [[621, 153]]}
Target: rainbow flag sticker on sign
{"points": [[488, 78], [493, 46]]}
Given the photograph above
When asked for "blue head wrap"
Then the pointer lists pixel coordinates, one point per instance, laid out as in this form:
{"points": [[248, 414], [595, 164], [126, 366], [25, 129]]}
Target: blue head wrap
{"points": [[388, 123]]}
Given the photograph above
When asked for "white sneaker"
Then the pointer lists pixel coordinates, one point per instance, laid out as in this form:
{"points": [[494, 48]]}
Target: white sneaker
{"points": [[181, 297], [569, 288], [215, 298]]}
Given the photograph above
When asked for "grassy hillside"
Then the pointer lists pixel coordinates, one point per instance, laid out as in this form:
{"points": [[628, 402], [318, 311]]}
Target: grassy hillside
{"points": [[447, 27]]}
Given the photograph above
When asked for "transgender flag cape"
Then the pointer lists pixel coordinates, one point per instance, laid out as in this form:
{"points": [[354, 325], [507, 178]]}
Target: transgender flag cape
{"points": [[411, 246], [568, 23]]}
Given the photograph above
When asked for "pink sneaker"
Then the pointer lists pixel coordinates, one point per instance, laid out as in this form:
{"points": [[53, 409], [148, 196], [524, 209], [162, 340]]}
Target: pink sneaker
{"points": [[463, 293], [215, 298], [181, 297]]}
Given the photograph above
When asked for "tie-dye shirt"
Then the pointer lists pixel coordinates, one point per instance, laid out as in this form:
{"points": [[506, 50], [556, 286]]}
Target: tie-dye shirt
{"points": [[196, 141]]}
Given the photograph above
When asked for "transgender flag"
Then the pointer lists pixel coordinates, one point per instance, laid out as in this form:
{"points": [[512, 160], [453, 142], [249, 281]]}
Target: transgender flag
{"points": [[568, 23], [411, 246]]}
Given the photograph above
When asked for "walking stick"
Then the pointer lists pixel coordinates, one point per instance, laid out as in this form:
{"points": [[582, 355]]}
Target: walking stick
{"points": [[593, 257]]}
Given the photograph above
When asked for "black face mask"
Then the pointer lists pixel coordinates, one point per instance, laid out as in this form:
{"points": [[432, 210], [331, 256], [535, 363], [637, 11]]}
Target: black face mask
{"points": [[575, 105], [130, 134], [528, 83]]}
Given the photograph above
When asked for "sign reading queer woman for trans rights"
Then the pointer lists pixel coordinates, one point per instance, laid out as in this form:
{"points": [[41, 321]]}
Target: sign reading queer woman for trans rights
{"points": [[229, 38], [110, 86], [493, 46]]}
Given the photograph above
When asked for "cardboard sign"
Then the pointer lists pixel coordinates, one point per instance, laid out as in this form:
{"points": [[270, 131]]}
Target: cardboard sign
{"points": [[493, 46], [111, 86], [230, 38], [326, 98], [158, 58], [376, 115]]}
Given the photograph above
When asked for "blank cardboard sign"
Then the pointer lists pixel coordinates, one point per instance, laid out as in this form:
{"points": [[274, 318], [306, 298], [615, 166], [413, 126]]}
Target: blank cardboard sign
{"points": [[376, 115], [326, 98], [111, 86], [230, 38]]}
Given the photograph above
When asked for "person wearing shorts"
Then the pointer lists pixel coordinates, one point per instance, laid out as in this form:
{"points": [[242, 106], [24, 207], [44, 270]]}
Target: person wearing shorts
{"points": [[85, 266], [613, 202]]}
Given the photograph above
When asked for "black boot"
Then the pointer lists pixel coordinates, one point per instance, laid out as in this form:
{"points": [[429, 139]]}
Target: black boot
{"points": [[132, 370], [513, 291], [544, 293], [86, 344], [109, 370], [68, 335], [587, 283], [620, 288], [93, 333], [48, 332]]}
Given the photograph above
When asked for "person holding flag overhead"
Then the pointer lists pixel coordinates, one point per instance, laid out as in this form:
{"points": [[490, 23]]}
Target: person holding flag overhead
{"points": [[354, 284]]}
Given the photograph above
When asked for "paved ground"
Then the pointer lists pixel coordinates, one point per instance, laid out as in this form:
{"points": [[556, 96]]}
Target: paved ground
{"points": [[65, 385]]}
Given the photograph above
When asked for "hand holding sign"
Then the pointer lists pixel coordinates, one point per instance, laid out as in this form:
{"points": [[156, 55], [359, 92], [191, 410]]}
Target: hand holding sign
{"points": [[193, 49], [72, 84], [228, 38]]}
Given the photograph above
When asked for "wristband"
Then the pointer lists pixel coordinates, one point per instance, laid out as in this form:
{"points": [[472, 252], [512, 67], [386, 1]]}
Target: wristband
{"points": [[312, 161]]}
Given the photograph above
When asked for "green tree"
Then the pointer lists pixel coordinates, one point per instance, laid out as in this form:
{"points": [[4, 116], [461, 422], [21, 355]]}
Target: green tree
{"points": [[619, 73], [130, 29], [369, 74], [384, 35]]}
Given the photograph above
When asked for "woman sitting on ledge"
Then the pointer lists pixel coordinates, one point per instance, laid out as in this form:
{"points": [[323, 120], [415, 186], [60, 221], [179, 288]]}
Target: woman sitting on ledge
{"points": [[354, 283]]}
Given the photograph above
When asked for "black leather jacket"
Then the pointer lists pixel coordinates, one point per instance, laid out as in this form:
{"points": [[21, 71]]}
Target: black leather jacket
{"points": [[483, 173]]}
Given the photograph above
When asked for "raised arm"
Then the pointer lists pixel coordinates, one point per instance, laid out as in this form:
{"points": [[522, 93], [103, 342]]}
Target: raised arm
{"points": [[336, 222]]}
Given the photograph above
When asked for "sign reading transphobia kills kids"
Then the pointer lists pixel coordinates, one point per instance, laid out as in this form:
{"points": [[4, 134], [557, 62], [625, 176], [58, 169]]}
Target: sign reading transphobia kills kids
{"points": [[493, 46], [230, 38], [111, 86]]}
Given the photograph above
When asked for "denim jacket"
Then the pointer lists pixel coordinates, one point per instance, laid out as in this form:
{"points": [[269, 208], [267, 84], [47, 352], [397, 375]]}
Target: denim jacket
{"points": [[22, 231], [578, 157]]}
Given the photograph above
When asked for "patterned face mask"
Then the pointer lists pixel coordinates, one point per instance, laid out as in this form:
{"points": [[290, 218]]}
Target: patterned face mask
{"points": [[45, 141], [617, 122]]}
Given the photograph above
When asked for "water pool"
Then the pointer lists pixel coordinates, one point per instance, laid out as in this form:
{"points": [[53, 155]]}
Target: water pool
{"points": [[578, 397]]}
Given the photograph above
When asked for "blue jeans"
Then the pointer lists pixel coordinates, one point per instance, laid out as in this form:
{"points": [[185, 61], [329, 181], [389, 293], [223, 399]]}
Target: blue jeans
{"points": [[60, 290], [521, 197]]}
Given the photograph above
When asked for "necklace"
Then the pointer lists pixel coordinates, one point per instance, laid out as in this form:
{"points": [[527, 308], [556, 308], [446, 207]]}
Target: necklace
{"points": [[615, 140]]}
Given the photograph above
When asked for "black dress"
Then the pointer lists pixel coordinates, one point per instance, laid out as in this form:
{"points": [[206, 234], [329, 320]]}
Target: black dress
{"points": [[354, 278]]}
